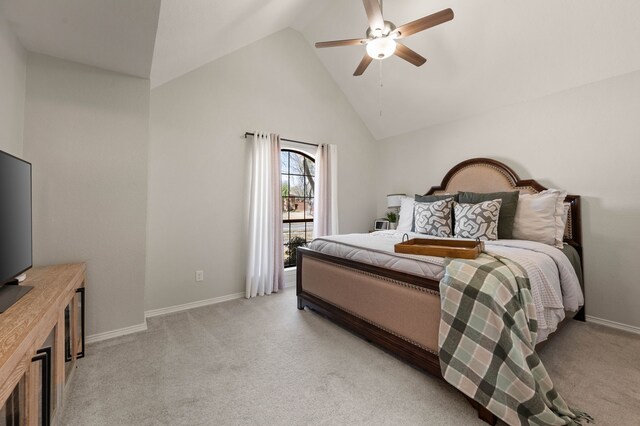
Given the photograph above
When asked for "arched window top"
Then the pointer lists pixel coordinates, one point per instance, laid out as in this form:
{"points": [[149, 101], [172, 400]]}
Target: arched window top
{"points": [[296, 162]]}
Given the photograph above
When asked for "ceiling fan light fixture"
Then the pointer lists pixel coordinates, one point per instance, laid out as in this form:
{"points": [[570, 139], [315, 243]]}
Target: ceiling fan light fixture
{"points": [[381, 48], [381, 35]]}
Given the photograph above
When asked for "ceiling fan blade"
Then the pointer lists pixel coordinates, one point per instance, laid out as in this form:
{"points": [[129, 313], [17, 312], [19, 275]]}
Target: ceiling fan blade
{"points": [[409, 55], [336, 43], [424, 23], [364, 63], [374, 14]]}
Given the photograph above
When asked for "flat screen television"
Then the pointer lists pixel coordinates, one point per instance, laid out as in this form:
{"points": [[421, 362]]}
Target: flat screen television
{"points": [[16, 253]]}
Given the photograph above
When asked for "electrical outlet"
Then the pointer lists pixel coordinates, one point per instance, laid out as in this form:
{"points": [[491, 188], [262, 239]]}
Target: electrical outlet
{"points": [[199, 276]]}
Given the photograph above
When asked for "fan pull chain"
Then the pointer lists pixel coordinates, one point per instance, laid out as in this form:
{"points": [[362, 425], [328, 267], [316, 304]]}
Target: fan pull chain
{"points": [[381, 85], [380, 90]]}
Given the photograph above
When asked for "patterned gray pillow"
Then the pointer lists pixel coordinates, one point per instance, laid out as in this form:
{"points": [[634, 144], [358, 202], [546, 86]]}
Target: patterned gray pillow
{"points": [[433, 218], [477, 220]]}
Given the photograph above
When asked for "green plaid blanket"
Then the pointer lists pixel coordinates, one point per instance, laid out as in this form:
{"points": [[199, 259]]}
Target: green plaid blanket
{"points": [[487, 339]]}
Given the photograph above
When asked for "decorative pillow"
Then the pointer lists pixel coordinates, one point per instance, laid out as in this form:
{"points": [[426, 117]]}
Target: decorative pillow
{"points": [[433, 218], [431, 199], [477, 220], [405, 220], [559, 214], [507, 208], [535, 218]]}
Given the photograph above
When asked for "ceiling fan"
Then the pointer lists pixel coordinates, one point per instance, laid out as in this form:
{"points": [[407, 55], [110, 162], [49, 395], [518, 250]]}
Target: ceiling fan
{"points": [[382, 36]]}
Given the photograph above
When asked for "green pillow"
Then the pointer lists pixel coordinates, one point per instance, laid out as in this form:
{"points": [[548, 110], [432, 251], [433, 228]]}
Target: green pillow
{"points": [[507, 209], [431, 199]]}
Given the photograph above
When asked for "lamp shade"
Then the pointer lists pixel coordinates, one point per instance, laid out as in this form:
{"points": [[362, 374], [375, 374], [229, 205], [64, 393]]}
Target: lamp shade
{"points": [[380, 48], [394, 200]]}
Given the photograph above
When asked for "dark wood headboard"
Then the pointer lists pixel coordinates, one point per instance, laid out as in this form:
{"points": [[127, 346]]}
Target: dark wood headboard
{"points": [[487, 175]]}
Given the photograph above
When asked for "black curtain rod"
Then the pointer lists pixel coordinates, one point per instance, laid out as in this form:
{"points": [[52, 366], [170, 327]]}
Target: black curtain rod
{"points": [[283, 139]]}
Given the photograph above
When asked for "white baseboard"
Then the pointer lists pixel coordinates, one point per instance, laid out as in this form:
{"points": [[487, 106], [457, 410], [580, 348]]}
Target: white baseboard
{"points": [[116, 333], [191, 305], [290, 281], [613, 324], [290, 277]]}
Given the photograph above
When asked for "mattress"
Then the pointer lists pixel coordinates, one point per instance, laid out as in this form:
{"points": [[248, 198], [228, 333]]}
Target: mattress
{"points": [[554, 283], [376, 248]]}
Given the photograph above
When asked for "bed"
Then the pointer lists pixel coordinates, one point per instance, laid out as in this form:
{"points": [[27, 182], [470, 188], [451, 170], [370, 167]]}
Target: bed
{"points": [[398, 307]]}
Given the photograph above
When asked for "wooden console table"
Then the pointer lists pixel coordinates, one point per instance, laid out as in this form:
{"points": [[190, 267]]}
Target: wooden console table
{"points": [[41, 336]]}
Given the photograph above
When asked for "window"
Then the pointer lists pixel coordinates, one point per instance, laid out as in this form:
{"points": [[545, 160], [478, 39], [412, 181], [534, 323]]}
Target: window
{"points": [[297, 184]]}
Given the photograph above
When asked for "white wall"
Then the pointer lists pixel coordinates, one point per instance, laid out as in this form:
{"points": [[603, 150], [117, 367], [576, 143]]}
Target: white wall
{"points": [[586, 140], [13, 71], [197, 160], [86, 133]]}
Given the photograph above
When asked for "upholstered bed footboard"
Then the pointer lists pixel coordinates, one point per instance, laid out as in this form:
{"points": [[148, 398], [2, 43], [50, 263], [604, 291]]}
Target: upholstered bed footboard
{"points": [[407, 311], [397, 311]]}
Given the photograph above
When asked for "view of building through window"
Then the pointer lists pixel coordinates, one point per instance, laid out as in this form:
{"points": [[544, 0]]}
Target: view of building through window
{"points": [[297, 185]]}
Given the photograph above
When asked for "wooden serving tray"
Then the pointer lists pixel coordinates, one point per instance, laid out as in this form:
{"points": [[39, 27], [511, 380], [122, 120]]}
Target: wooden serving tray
{"points": [[465, 249]]}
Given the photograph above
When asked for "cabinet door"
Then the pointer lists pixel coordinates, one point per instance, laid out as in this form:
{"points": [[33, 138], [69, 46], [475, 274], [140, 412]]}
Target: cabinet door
{"points": [[68, 340], [30, 401], [74, 330], [79, 305], [41, 386], [14, 408], [52, 346]]}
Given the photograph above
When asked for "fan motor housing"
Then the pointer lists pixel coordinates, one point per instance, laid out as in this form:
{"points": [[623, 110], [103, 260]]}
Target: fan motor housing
{"points": [[389, 27]]}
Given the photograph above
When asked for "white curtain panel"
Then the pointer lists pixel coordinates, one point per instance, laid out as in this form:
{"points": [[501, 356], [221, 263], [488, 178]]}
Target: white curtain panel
{"points": [[325, 206], [265, 264]]}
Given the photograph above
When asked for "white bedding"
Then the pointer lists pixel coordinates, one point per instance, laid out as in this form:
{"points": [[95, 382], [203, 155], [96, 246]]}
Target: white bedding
{"points": [[554, 284]]}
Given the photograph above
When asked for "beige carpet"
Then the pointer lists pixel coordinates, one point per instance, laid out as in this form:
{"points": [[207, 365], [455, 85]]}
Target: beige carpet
{"points": [[263, 362]]}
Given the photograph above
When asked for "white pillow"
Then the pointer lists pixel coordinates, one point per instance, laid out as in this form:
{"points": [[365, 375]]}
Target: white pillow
{"points": [[535, 218], [405, 221], [559, 214]]}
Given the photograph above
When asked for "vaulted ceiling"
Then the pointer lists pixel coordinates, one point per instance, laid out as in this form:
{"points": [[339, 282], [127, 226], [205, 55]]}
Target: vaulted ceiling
{"points": [[192, 33], [493, 53], [112, 34]]}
